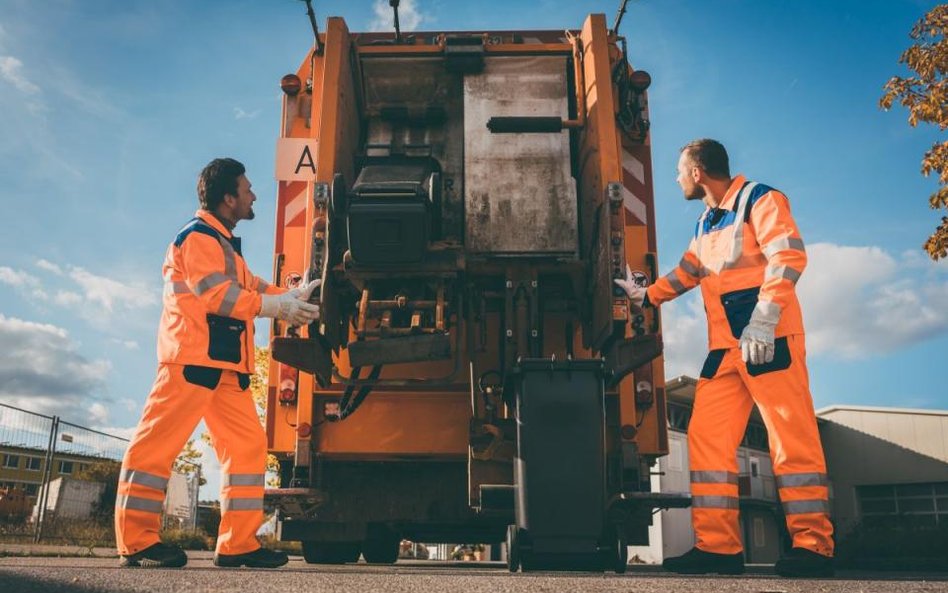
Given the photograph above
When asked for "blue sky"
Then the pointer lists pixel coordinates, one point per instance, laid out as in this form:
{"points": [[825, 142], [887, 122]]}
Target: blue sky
{"points": [[109, 109]]}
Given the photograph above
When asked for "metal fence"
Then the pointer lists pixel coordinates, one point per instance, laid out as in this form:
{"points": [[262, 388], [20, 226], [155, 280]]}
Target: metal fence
{"points": [[58, 481]]}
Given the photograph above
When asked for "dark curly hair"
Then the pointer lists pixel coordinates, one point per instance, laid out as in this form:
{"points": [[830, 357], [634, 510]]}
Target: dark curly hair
{"points": [[218, 178]]}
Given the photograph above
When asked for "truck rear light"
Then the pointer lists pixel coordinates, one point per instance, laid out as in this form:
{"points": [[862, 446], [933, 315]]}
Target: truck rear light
{"points": [[291, 84], [640, 80], [289, 379], [303, 430]]}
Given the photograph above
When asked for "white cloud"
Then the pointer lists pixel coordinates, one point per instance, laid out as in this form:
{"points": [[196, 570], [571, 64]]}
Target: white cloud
{"points": [[241, 114], [18, 278], [49, 267], [857, 302], [41, 370], [860, 301], [111, 294], [66, 298], [127, 344], [11, 70], [24, 282], [685, 335], [409, 16]]}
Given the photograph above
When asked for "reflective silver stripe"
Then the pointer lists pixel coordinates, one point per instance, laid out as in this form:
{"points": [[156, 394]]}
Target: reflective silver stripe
{"points": [[262, 285], [782, 244], [714, 502], [230, 259], [800, 507], [243, 504], [737, 248], [676, 283], [209, 282], [801, 480], [768, 311], [713, 477], [688, 267], [143, 479], [244, 480], [136, 503], [230, 299], [782, 272], [176, 287]]}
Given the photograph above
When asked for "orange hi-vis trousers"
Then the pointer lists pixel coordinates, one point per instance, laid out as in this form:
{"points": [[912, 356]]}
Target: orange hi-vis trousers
{"points": [[181, 396], [724, 398]]}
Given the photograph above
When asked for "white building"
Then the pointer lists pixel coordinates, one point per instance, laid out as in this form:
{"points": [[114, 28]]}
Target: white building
{"points": [[882, 463]]}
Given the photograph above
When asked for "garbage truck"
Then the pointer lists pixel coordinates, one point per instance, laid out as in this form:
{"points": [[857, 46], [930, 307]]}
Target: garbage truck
{"points": [[475, 375]]}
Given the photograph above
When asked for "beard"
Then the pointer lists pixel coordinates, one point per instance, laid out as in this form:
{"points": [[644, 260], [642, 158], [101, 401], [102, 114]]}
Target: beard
{"points": [[696, 193], [250, 214]]}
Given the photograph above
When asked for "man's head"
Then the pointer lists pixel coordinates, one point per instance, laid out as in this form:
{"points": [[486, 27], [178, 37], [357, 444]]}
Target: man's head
{"points": [[702, 161], [224, 190]]}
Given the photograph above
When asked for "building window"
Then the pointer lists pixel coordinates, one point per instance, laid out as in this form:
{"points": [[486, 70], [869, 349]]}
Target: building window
{"points": [[678, 416], [755, 437], [923, 504], [34, 464], [65, 467], [11, 461], [31, 489], [754, 467]]}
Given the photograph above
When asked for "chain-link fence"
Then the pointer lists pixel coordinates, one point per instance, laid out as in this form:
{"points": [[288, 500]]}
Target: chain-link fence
{"points": [[58, 481]]}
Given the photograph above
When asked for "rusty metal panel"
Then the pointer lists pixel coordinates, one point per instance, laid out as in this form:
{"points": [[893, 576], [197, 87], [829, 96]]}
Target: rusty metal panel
{"points": [[520, 198]]}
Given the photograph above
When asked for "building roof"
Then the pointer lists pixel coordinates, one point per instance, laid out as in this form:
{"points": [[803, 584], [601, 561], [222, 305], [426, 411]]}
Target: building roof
{"points": [[881, 410]]}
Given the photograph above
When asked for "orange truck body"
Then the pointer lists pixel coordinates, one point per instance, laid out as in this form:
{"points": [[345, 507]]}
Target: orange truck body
{"points": [[523, 231]]}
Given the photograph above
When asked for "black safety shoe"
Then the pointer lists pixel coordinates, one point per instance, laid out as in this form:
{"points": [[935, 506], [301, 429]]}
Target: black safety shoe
{"points": [[801, 562], [697, 561], [156, 556], [259, 558]]}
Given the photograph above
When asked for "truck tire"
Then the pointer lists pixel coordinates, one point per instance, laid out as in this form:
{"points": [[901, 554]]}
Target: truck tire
{"points": [[380, 545], [513, 549], [330, 552], [621, 554]]}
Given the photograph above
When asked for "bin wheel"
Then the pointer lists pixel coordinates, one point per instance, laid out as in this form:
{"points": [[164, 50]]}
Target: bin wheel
{"points": [[622, 554], [330, 552], [380, 545], [513, 548]]}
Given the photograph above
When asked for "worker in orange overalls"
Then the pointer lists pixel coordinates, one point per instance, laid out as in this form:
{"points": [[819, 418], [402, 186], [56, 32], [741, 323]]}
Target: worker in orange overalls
{"points": [[206, 355], [747, 255]]}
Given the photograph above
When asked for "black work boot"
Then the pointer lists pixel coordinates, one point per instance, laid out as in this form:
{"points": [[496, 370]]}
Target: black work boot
{"points": [[156, 556], [259, 558], [697, 561], [801, 562]]}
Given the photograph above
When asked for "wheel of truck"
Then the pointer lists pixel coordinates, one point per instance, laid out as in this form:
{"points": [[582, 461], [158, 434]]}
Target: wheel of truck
{"points": [[330, 552], [621, 554], [380, 545], [513, 549]]}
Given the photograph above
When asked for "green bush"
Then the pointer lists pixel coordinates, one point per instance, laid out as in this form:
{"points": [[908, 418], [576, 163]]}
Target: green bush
{"points": [[896, 545], [189, 539]]}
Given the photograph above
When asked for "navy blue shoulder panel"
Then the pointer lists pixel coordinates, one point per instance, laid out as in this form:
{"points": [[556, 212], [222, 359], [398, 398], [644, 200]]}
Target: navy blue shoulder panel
{"points": [[195, 225]]}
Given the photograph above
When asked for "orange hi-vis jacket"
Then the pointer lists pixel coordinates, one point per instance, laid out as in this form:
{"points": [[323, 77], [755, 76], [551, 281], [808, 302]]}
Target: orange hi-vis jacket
{"points": [[747, 254], [210, 299]]}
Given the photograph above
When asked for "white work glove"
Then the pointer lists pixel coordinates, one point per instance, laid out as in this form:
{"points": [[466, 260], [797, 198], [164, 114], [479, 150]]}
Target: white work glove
{"points": [[632, 285], [292, 305], [757, 340]]}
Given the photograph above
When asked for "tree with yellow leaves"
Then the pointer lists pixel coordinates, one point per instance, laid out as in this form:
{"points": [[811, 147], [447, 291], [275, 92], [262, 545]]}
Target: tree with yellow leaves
{"points": [[925, 95]]}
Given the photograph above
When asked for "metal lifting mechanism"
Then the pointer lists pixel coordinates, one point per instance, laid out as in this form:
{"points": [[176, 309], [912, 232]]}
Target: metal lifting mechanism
{"points": [[467, 199]]}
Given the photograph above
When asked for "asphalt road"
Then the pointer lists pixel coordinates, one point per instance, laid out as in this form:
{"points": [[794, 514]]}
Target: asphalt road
{"points": [[102, 575]]}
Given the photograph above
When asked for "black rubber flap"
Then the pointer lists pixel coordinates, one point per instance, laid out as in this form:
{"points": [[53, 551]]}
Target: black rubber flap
{"points": [[311, 356]]}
